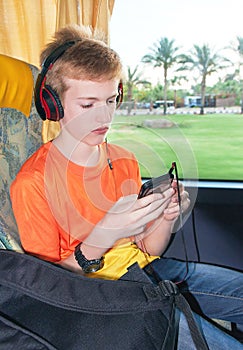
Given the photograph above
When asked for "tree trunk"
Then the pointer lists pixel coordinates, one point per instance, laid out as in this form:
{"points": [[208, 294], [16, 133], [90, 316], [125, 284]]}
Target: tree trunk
{"points": [[203, 91], [165, 92], [175, 98]]}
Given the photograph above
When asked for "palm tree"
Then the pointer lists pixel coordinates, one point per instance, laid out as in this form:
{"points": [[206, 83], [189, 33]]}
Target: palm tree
{"points": [[207, 62], [133, 79], [163, 54]]}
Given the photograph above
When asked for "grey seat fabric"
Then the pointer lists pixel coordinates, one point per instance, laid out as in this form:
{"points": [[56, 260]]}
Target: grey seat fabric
{"points": [[20, 136]]}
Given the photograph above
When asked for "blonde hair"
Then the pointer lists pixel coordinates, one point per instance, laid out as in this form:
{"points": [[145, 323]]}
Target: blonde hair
{"points": [[88, 59]]}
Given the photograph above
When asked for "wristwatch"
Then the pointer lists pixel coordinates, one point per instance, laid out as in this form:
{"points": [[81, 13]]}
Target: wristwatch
{"points": [[87, 266]]}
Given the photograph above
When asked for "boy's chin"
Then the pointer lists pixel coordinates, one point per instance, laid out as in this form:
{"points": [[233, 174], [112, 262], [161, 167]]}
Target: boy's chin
{"points": [[94, 141]]}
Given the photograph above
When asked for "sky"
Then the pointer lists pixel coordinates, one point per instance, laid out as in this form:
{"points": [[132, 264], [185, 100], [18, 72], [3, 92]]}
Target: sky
{"points": [[137, 24]]}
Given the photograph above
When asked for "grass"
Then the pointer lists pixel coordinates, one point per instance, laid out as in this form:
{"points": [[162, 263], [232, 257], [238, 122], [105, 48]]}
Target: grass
{"points": [[209, 147]]}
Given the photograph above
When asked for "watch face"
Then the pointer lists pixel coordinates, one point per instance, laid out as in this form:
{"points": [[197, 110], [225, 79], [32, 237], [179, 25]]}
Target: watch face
{"points": [[93, 266]]}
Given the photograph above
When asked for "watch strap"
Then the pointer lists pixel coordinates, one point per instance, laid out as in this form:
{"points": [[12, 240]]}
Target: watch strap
{"points": [[87, 266]]}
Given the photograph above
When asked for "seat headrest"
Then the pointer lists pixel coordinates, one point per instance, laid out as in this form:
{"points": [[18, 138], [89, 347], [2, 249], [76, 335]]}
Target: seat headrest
{"points": [[16, 84]]}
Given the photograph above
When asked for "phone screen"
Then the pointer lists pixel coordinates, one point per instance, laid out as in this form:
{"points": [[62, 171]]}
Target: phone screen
{"points": [[157, 184]]}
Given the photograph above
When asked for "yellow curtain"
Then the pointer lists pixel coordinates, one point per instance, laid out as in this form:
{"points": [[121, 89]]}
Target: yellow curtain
{"points": [[27, 25]]}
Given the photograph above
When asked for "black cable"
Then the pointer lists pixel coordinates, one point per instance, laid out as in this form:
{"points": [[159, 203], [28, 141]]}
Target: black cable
{"points": [[195, 236]]}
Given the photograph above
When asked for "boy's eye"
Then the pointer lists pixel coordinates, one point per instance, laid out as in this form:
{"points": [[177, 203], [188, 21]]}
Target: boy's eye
{"points": [[87, 106], [112, 101]]}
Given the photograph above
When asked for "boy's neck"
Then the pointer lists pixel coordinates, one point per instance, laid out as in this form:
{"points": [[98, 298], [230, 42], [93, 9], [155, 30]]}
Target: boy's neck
{"points": [[76, 151]]}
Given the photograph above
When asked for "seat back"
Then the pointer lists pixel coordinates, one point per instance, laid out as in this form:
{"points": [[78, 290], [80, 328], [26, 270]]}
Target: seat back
{"points": [[20, 136]]}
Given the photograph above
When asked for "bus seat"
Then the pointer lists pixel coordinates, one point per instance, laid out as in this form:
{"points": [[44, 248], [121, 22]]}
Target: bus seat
{"points": [[20, 136]]}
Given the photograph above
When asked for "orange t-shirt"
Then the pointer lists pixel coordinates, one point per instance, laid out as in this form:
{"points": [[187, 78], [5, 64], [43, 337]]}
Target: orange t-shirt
{"points": [[57, 203]]}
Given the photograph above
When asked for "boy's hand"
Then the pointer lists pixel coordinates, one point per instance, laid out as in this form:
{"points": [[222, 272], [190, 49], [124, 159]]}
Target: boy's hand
{"points": [[128, 217], [172, 212]]}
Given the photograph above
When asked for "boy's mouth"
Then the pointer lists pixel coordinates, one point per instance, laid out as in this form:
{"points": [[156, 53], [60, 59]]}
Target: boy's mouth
{"points": [[101, 130]]}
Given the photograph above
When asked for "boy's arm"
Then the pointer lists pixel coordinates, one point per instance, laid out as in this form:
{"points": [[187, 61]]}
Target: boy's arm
{"points": [[37, 228]]}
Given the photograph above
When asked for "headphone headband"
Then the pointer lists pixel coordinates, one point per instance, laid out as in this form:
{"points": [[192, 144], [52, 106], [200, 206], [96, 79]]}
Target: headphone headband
{"points": [[59, 51]]}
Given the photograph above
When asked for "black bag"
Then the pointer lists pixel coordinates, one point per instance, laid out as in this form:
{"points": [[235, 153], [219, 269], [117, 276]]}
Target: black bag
{"points": [[43, 306]]}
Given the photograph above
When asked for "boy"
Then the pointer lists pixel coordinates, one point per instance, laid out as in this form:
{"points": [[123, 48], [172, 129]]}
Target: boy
{"points": [[75, 200]]}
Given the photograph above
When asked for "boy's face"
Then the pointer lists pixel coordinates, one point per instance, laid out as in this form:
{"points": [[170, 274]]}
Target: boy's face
{"points": [[89, 107]]}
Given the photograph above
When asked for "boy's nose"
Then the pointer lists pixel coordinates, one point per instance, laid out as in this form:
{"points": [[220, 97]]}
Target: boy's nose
{"points": [[104, 114]]}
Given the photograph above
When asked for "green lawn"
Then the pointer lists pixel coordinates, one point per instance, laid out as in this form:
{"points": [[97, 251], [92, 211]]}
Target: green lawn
{"points": [[205, 147]]}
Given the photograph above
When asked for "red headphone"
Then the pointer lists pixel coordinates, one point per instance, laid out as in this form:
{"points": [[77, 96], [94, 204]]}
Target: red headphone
{"points": [[47, 101]]}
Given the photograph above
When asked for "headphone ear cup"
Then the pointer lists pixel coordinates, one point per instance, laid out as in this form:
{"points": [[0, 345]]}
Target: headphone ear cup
{"points": [[47, 101], [52, 104], [120, 95]]}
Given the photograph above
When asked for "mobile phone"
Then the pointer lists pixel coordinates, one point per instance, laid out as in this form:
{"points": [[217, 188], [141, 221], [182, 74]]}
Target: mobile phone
{"points": [[157, 184]]}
